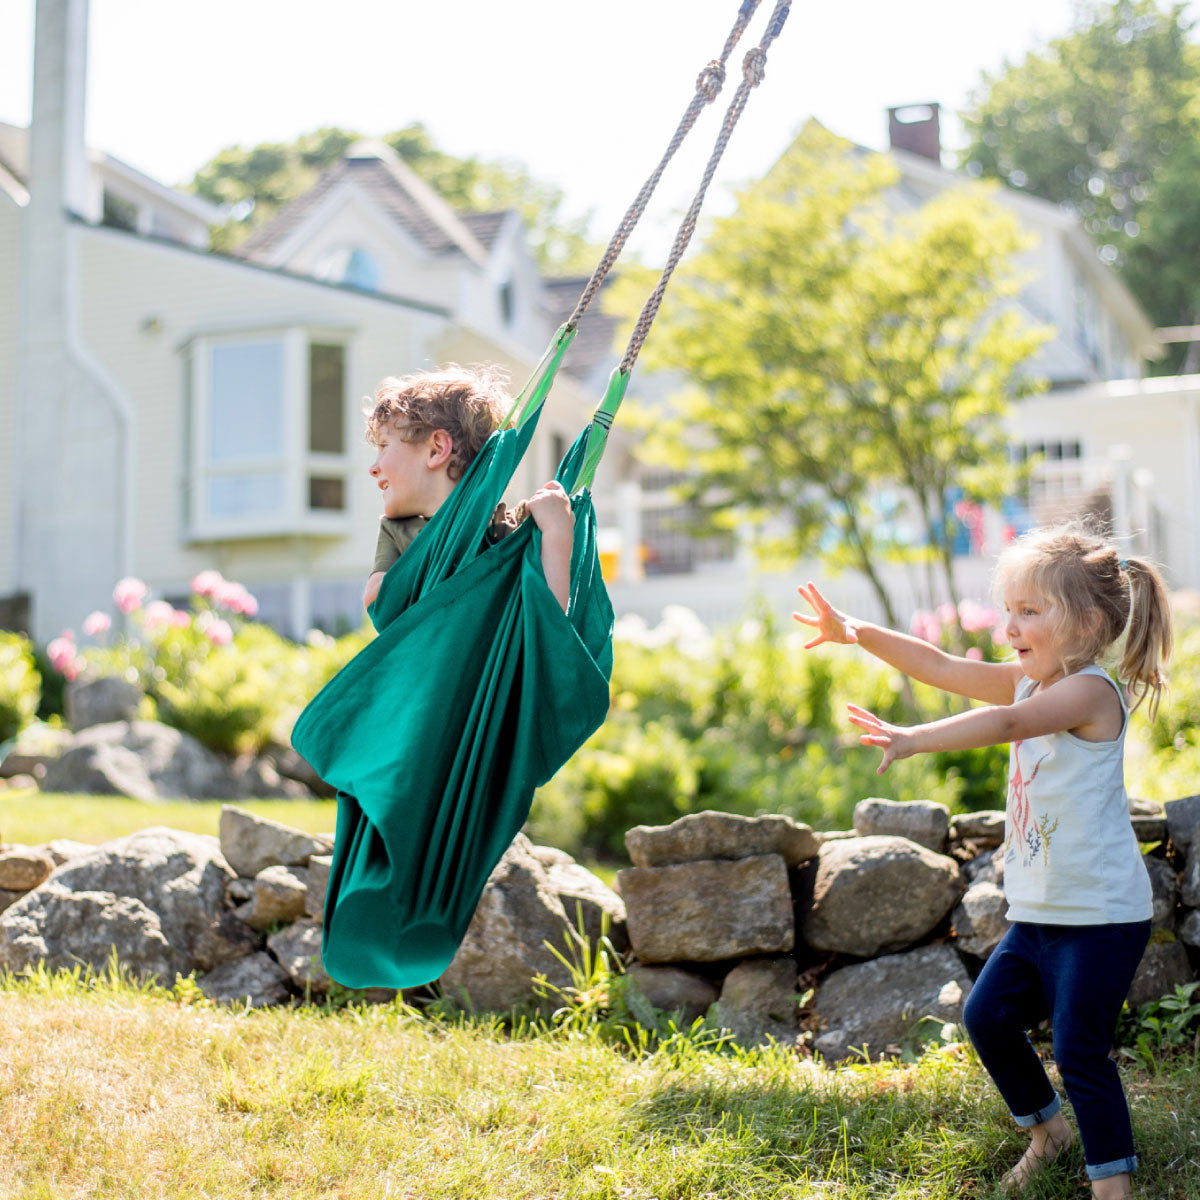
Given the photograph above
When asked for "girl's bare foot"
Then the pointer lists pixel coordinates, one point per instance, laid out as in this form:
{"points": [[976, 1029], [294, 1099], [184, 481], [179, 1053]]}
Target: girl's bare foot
{"points": [[1046, 1142]]}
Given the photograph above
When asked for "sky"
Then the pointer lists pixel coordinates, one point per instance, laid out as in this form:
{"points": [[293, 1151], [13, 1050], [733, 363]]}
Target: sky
{"points": [[585, 95]]}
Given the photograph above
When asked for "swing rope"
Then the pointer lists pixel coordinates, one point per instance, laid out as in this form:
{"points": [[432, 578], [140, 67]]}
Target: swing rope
{"points": [[753, 70], [708, 86]]}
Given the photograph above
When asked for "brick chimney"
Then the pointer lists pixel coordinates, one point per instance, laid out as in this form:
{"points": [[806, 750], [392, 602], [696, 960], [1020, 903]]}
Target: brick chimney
{"points": [[917, 129]]}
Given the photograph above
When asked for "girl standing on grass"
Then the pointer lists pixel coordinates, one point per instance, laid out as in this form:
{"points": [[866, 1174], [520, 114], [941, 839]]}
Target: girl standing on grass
{"points": [[1078, 892]]}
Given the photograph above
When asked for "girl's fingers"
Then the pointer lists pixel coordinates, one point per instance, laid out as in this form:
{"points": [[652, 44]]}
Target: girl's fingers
{"points": [[805, 619], [815, 642]]}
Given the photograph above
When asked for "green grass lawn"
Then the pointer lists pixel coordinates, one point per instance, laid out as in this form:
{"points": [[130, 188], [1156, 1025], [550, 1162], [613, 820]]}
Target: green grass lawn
{"points": [[107, 1090], [30, 816]]}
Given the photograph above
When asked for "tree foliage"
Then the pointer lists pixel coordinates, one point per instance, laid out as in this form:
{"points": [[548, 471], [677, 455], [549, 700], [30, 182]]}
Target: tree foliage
{"points": [[257, 181], [838, 354], [1106, 120]]}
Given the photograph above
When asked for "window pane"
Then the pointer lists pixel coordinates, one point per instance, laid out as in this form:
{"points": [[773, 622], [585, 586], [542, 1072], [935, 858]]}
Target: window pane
{"points": [[253, 494], [325, 491], [246, 412], [326, 394]]}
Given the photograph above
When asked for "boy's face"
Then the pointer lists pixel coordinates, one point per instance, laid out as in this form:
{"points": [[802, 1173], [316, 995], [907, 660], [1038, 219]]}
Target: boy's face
{"points": [[401, 470]]}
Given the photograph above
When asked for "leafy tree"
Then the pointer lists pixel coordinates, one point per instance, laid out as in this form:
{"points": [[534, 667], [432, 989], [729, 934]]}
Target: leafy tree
{"points": [[257, 181], [1100, 120], [836, 353]]}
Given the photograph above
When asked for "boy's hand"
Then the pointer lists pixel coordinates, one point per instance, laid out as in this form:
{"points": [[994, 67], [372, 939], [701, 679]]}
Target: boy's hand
{"points": [[831, 625], [550, 508], [894, 740]]}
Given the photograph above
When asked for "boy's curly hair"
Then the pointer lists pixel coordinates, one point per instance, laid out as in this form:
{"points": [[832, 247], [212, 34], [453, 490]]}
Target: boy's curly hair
{"points": [[469, 404]]}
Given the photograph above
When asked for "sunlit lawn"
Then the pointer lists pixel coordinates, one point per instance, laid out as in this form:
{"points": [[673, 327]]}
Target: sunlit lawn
{"points": [[30, 817]]}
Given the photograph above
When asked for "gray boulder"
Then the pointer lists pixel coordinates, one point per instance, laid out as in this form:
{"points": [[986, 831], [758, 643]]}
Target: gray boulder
{"points": [[985, 826], [298, 950], [22, 868], [142, 759], [592, 907], [674, 990], [257, 980], [759, 1001], [1163, 966], [153, 895], [258, 777], [980, 920], [319, 867], [716, 835], [1183, 820], [101, 701], [505, 944], [708, 911], [1189, 881], [226, 939], [1188, 932], [64, 849], [877, 1005], [34, 748], [873, 895], [279, 896], [921, 821], [1164, 890], [63, 929], [7, 898], [291, 765], [251, 842]]}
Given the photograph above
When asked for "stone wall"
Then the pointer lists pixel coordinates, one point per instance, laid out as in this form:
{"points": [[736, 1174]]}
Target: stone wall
{"points": [[850, 940]]}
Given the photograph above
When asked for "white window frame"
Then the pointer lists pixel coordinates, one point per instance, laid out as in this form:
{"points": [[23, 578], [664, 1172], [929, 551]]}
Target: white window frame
{"points": [[294, 461]]}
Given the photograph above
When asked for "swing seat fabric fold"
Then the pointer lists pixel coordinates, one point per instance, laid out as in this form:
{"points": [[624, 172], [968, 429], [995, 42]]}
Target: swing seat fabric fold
{"points": [[476, 690]]}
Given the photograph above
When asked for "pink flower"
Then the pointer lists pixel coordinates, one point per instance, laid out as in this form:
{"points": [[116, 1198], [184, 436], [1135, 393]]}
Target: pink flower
{"points": [[974, 616], [129, 594], [158, 615], [96, 623], [235, 597], [61, 652], [1000, 635], [975, 653], [218, 632], [180, 618], [207, 582], [946, 614], [925, 625]]}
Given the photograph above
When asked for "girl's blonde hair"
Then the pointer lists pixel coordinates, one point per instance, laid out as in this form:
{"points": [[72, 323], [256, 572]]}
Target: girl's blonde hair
{"points": [[1097, 596]]}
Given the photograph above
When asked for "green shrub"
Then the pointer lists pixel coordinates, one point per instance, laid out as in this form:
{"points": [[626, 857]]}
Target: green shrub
{"points": [[20, 684]]}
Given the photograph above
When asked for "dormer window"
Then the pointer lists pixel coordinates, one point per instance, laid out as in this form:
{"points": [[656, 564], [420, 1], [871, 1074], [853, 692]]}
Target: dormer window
{"points": [[353, 266], [508, 304]]}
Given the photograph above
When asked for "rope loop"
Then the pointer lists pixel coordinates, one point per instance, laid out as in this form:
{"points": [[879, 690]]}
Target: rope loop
{"points": [[754, 66], [710, 81]]}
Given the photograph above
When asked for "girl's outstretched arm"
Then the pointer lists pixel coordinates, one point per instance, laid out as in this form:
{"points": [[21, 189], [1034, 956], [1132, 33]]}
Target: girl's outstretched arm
{"points": [[1081, 704], [993, 683]]}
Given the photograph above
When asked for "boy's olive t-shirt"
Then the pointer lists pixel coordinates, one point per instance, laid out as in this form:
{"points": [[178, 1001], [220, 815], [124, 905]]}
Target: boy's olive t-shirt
{"points": [[396, 534]]}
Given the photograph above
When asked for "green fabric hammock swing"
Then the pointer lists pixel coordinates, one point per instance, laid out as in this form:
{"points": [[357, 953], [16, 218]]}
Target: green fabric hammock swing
{"points": [[478, 687]]}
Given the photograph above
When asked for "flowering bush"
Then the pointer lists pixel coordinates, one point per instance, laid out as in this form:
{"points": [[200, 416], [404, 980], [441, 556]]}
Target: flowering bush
{"points": [[210, 670], [20, 685], [976, 629]]}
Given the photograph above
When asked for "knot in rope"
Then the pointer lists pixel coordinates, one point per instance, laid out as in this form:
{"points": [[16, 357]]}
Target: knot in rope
{"points": [[710, 81], [754, 66]]}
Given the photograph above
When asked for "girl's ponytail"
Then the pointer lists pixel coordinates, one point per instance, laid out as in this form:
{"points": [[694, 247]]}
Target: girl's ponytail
{"points": [[1148, 636]]}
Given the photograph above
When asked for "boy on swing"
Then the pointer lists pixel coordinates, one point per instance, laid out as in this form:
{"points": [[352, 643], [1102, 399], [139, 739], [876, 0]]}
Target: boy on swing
{"points": [[427, 429]]}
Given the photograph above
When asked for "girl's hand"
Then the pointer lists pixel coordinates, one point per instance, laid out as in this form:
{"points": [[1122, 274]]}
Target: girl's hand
{"points": [[831, 625], [894, 740]]}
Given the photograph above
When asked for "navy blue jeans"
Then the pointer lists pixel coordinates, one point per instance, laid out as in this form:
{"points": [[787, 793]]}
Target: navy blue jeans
{"points": [[1078, 976]]}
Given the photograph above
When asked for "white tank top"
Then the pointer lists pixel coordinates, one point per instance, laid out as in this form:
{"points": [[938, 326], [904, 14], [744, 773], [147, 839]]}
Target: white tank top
{"points": [[1070, 855]]}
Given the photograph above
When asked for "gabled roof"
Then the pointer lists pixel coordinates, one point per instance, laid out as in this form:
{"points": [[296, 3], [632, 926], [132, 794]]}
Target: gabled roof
{"points": [[486, 226], [594, 340], [380, 174]]}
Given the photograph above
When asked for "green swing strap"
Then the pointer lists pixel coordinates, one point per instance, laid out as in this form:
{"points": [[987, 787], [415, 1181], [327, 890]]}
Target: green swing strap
{"points": [[753, 68]]}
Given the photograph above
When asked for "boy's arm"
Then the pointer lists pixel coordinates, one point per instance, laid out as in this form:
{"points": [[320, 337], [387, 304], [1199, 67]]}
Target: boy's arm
{"points": [[550, 508], [372, 588], [993, 683], [1072, 703]]}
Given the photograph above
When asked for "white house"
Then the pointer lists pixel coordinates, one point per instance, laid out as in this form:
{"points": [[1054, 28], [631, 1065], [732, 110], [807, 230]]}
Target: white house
{"points": [[1104, 436], [164, 409]]}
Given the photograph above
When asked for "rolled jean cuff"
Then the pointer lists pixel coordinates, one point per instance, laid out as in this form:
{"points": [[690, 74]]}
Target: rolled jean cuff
{"points": [[1044, 1114], [1118, 1166]]}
